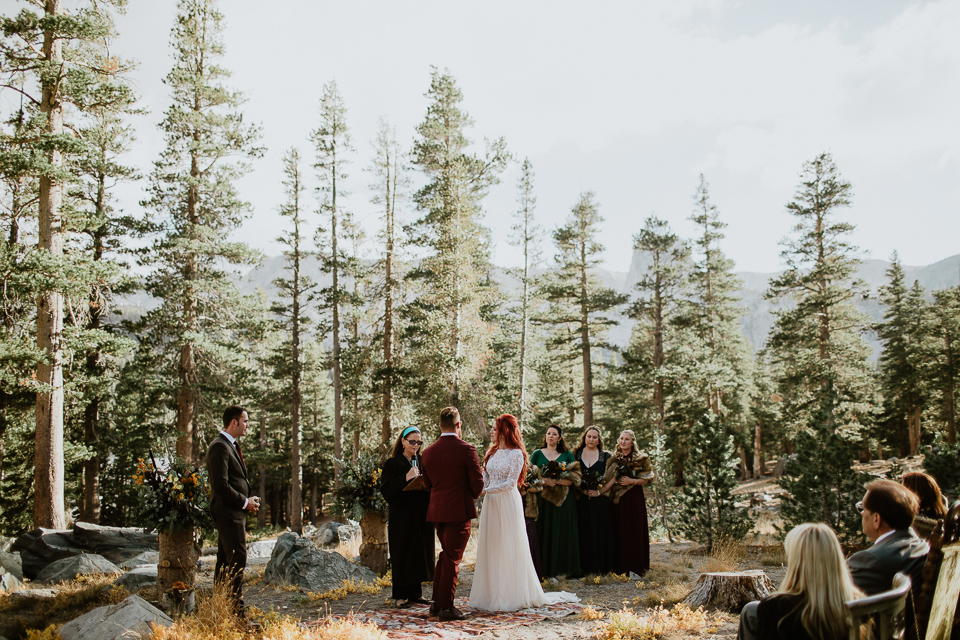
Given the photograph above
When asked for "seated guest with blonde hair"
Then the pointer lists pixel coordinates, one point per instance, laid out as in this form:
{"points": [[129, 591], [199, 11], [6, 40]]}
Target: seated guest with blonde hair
{"points": [[887, 511], [811, 601]]}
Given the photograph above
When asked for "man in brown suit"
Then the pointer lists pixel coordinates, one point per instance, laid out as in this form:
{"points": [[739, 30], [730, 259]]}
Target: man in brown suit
{"points": [[451, 472], [231, 502]]}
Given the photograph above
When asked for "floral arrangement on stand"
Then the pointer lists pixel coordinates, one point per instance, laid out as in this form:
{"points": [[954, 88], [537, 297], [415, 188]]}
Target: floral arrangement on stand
{"points": [[173, 500], [359, 490]]}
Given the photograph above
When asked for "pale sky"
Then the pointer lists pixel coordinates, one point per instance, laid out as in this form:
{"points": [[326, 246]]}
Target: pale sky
{"points": [[632, 100]]}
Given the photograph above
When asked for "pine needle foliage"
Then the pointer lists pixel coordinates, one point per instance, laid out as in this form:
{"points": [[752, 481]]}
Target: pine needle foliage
{"points": [[709, 512]]}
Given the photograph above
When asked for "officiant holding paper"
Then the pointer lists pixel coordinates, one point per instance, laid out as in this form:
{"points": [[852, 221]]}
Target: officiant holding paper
{"points": [[409, 535]]}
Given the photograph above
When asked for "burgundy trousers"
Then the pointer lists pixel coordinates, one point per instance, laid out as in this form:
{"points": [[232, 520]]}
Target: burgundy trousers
{"points": [[453, 540]]}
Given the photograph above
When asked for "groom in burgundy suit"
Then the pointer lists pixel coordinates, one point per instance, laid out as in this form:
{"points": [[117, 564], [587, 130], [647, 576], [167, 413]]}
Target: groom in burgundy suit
{"points": [[451, 472]]}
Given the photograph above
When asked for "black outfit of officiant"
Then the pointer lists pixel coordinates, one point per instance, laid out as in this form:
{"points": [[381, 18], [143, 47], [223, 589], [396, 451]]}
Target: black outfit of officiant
{"points": [[598, 544], [409, 535]]}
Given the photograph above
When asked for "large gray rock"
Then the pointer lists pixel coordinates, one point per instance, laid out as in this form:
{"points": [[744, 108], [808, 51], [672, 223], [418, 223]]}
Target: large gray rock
{"points": [[128, 619], [5, 543], [136, 579], [40, 547], [297, 561], [116, 544], [70, 568], [11, 571], [145, 558], [34, 594], [261, 549]]}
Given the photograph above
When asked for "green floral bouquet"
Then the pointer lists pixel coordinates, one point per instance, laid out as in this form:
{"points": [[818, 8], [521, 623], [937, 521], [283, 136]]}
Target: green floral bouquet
{"points": [[172, 500], [359, 489]]}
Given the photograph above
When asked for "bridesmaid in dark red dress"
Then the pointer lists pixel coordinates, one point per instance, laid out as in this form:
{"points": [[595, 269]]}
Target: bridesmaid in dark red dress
{"points": [[629, 506]]}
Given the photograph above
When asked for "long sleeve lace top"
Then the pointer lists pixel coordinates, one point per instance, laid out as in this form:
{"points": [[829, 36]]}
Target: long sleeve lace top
{"points": [[502, 471]]}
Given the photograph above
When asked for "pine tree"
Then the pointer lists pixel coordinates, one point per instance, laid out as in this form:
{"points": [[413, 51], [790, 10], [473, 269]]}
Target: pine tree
{"points": [[55, 53], [713, 366], [195, 206], [944, 357], [452, 338], [332, 141], [107, 138], [389, 187], [709, 513], [819, 342], [901, 361], [294, 293], [527, 237], [577, 300], [821, 484], [662, 287]]}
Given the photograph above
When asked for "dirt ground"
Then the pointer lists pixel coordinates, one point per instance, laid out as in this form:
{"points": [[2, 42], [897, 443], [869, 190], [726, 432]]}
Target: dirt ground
{"points": [[675, 567]]}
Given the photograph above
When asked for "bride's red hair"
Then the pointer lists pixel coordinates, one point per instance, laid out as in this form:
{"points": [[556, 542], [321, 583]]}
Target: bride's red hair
{"points": [[508, 430]]}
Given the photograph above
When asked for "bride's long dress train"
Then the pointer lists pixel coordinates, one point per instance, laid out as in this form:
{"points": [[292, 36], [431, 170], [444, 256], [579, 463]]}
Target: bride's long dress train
{"points": [[504, 578]]}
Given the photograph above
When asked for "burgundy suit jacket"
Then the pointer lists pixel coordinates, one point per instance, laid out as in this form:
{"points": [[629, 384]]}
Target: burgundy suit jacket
{"points": [[451, 471]]}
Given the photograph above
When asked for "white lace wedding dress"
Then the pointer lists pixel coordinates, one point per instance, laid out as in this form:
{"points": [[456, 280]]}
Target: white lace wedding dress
{"points": [[504, 579]]}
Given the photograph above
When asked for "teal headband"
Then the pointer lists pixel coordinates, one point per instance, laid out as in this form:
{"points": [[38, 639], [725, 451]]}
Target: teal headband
{"points": [[409, 430]]}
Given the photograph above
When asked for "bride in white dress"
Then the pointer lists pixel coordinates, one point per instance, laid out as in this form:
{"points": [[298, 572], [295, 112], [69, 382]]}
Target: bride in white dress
{"points": [[504, 579]]}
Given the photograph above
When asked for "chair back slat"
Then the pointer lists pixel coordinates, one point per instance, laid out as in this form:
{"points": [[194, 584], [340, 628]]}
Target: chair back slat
{"points": [[886, 609]]}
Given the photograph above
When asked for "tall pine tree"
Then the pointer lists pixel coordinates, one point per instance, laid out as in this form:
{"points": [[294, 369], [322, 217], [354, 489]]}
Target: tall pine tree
{"points": [[195, 206], [453, 338]]}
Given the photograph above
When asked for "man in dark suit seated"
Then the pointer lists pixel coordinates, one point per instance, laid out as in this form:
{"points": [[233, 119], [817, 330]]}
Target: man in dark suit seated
{"points": [[887, 511]]}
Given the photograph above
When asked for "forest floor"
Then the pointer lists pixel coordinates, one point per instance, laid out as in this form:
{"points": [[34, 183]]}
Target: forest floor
{"points": [[675, 567]]}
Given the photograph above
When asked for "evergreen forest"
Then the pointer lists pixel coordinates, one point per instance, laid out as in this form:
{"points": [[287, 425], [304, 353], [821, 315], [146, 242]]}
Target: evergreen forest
{"points": [[411, 319]]}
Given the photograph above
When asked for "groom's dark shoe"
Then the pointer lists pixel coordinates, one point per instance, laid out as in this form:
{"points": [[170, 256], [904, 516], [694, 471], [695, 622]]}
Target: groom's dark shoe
{"points": [[448, 615]]}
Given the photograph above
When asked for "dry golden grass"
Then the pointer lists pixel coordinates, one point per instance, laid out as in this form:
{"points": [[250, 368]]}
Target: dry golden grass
{"points": [[726, 555], [213, 620], [18, 616], [655, 623], [346, 588], [607, 578], [662, 573], [589, 613], [773, 556], [563, 583], [350, 548], [667, 594]]}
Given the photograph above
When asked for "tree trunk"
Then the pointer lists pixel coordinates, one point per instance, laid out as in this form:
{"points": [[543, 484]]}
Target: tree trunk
{"points": [[178, 564], [914, 429], [950, 393], [314, 489], [729, 590], [262, 473], [48, 505], [373, 550], [757, 443]]}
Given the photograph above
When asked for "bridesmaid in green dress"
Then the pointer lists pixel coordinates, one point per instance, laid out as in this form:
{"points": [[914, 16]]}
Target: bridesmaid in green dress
{"points": [[557, 521]]}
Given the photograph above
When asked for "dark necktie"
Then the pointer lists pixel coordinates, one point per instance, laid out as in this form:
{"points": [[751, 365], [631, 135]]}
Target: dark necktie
{"points": [[236, 443]]}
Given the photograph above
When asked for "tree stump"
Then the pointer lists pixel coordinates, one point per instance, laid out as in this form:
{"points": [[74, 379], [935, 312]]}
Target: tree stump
{"points": [[729, 590], [373, 547], [177, 572]]}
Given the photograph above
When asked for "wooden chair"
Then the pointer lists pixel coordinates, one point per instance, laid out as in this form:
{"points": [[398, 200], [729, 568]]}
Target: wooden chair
{"points": [[946, 531], [887, 610]]}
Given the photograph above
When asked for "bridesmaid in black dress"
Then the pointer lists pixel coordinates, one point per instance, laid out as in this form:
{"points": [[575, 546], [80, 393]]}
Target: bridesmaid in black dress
{"points": [[598, 549], [410, 536]]}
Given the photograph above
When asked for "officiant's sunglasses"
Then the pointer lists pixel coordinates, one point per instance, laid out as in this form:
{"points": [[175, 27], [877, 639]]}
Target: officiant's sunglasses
{"points": [[415, 443], [860, 506]]}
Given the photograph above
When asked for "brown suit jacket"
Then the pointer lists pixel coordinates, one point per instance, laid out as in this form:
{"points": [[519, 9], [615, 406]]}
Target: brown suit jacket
{"points": [[451, 472], [228, 478]]}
